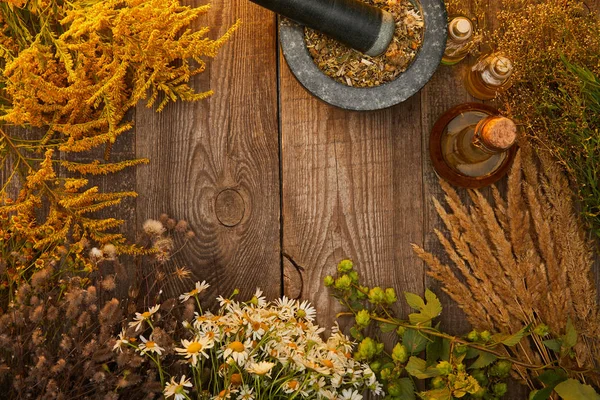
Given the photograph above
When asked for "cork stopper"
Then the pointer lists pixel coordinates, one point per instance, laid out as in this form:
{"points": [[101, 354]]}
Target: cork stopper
{"points": [[497, 133], [460, 28], [501, 67]]}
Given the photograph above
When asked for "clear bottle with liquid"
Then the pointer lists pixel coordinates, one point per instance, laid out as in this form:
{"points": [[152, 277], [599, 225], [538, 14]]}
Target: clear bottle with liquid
{"points": [[476, 144], [460, 39], [489, 75]]}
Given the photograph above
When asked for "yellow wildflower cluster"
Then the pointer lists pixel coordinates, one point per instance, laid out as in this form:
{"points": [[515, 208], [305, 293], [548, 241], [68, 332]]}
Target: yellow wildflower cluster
{"points": [[71, 71]]}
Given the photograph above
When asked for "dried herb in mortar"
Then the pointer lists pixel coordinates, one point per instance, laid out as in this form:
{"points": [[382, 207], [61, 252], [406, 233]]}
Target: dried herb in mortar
{"points": [[353, 68]]}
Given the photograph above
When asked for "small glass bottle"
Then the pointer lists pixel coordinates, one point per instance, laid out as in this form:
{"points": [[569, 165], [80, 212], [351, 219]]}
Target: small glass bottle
{"points": [[488, 76], [458, 44], [476, 145]]}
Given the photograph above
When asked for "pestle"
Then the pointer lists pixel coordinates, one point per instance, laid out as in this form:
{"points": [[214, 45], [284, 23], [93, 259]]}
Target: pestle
{"points": [[358, 25]]}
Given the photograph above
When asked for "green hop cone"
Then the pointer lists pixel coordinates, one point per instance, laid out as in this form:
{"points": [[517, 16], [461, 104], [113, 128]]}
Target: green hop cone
{"points": [[353, 276], [480, 393], [542, 330], [375, 366], [473, 336], [500, 389], [400, 354], [501, 369], [400, 331], [376, 295], [390, 296], [343, 282], [461, 349], [444, 367], [363, 318], [367, 349], [438, 382], [345, 266], [385, 374], [394, 389], [485, 336], [328, 281], [480, 376]]}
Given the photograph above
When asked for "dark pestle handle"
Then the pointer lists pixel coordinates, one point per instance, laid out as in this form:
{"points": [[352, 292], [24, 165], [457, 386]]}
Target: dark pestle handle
{"points": [[363, 27]]}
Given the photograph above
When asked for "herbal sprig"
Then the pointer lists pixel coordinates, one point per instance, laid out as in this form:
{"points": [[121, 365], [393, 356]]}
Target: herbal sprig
{"points": [[474, 366]]}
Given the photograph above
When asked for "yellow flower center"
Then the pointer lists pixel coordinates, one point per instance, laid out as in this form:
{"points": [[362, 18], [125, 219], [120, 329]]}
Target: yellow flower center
{"points": [[236, 346], [327, 363], [194, 347], [146, 314], [293, 384], [193, 292], [150, 344]]}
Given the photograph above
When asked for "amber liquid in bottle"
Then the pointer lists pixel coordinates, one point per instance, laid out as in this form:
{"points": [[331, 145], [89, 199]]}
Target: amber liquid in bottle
{"points": [[468, 151], [489, 75], [460, 33]]}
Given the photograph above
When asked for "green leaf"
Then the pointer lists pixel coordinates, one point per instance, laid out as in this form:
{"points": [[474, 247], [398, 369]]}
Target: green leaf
{"points": [[472, 353], [553, 344], [437, 394], [413, 300], [512, 340], [570, 338], [419, 318], [484, 360], [552, 377], [385, 327], [417, 367], [407, 389], [433, 308], [543, 394], [414, 341], [572, 389], [434, 351]]}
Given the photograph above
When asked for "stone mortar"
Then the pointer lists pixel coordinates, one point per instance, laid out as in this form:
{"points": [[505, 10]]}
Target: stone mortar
{"points": [[374, 98]]}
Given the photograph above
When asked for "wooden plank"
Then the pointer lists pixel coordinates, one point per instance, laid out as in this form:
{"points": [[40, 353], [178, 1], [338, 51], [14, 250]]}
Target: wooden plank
{"points": [[215, 163], [352, 188], [444, 91]]}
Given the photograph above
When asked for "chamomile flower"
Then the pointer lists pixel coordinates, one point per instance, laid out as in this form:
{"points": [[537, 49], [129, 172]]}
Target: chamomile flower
{"points": [[200, 287], [246, 393], [291, 386], [145, 316], [350, 394], [195, 348], [306, 311], [260, 368], [237, 351], [121, 340], [287, 308], [176, 389], [258, 300], [149, 346]]}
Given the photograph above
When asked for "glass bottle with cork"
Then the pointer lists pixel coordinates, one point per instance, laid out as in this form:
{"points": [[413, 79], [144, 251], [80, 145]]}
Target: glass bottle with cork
{"points": [[477, 145], [489, 75], [460, 40]]}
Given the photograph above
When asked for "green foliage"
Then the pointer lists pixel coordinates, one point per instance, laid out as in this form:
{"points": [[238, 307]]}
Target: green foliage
{"points": [[572, 389], [476, 366]]}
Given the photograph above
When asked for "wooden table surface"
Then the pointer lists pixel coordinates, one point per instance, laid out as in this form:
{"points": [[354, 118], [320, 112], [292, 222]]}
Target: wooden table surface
{"points": [[280, 186]]}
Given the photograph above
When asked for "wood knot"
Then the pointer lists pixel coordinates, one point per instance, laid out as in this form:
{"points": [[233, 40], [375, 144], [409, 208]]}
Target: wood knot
{"points": [[230, 207]]}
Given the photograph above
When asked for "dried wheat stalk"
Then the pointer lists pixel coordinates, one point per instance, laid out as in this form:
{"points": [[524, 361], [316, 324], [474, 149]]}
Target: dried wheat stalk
{"points": [[523, 260]]}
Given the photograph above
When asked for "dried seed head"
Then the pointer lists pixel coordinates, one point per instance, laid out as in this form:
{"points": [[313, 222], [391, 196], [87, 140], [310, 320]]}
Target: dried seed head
{"points": [[108, 283], [153, 227]]}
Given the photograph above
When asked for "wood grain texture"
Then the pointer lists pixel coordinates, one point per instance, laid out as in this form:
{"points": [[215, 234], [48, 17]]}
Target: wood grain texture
{"points": [[352, 188], [444, 91], [225, 145]]}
